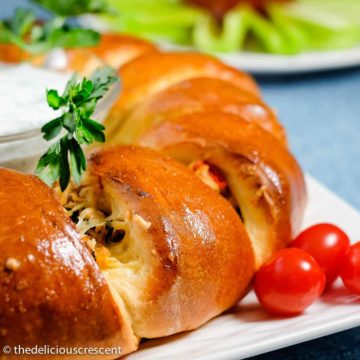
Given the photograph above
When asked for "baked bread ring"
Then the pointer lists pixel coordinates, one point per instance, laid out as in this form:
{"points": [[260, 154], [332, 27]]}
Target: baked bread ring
{"points": [[153, 73], [51, 289], [263, 180], [156, 250], [197, 95]]}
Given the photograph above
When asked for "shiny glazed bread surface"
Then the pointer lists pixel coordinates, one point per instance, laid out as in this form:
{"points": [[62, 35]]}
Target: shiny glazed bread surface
{"points": [[186, 256], [198, 95], [263, 176], [152, 73], [193, 108], [51, 289]]}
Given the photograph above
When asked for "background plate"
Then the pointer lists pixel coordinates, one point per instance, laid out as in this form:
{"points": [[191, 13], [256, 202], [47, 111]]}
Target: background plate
{"points": [[307, 62], [247, 330], [266, 64]]}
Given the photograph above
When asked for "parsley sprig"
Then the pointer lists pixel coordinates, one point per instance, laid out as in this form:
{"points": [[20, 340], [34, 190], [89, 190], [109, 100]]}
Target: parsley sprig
{"points": [[74, 7], [65, 157], [24, 31]]}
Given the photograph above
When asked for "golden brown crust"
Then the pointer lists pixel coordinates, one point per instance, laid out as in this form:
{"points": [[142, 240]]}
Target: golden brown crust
{"points": [[266, 179], [197, 256], [118, 49], [51, 290], [178, 89], [12, 54], [155, 72], [198, 95]]}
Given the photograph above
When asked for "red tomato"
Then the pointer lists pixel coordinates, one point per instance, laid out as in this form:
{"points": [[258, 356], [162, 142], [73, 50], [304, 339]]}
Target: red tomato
{"points": [[327, 244], [350, 269], [289, 282]]}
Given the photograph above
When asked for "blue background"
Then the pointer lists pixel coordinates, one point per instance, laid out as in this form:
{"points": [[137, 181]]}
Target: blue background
{"points": [[322, 115]]}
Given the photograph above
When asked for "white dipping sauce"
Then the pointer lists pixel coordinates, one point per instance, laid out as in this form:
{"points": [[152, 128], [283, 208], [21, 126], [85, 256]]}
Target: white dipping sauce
{"points": [[23, 108], [23, 104]]}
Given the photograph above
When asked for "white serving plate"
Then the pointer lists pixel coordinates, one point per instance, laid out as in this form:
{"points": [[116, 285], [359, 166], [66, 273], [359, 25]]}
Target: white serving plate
{"points": [[248, 330], [269, 64]]}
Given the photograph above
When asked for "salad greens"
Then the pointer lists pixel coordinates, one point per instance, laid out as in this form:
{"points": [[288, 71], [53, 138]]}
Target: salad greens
{"points": [[291, 28], [208, 36], [78, 103], [161, 19]]}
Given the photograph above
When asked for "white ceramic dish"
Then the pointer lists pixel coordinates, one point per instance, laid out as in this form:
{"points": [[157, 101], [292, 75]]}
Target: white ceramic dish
{"points": [[247, 330]]}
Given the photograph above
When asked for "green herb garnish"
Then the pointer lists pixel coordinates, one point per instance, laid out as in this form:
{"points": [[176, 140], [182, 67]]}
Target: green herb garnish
{"points": [[25, 32], [74, 7], [65, 158]]}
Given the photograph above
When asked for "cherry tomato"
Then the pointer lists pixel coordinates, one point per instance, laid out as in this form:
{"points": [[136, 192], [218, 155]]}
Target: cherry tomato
{"points": [[327, 244], [289, 282], [350, 268]]}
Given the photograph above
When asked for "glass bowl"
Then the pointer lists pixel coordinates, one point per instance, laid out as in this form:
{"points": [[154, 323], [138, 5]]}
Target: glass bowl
{"points": [[21, 151]]}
